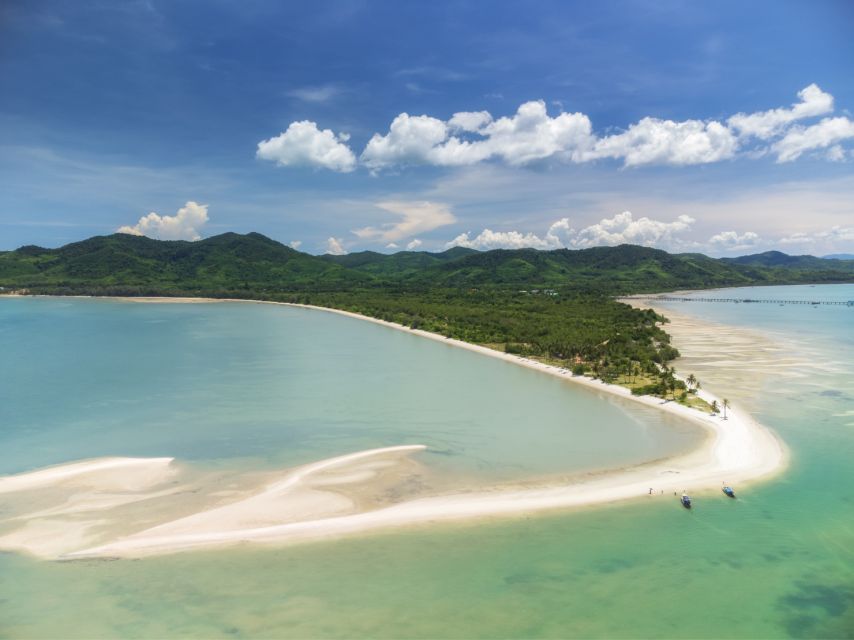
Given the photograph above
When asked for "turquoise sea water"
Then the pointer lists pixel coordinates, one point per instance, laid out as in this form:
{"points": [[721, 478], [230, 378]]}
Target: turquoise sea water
{"points": [[778, 562], [256, 384]]}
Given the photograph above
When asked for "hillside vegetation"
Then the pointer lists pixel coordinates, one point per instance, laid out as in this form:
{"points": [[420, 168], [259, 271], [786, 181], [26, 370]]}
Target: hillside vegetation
{"points": [[227, 261]]}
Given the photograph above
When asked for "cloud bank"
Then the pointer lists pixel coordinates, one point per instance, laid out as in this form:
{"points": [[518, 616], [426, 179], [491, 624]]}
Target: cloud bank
{"points": [[186, 224], [532, 135]]}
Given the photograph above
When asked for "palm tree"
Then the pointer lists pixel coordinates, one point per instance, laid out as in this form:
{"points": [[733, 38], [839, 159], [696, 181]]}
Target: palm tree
{"points": [[691, 380], [715, 406], [725, 405]]}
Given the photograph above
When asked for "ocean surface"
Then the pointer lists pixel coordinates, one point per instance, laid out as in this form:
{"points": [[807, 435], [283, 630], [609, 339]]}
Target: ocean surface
{"points": [[233, 384], [270, 386]]}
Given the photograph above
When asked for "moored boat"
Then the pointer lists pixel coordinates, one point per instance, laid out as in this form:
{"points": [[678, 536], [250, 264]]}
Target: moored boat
{"points": [[685, 500], [729, 491]]}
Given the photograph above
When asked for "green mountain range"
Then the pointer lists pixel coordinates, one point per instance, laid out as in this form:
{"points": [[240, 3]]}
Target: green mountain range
{"points": [[254, 263]]}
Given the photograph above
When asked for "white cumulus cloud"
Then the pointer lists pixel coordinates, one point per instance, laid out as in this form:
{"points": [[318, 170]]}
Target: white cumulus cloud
{"points": [[410, 140], [827, 133], [624, 229], [766, 124], [303, 144], [415, 217], [529, 135], [414, 244], [295, 244], [489, 239], [532, 135], [186, 224], [732, 241], [654, 141], [335, 246]]}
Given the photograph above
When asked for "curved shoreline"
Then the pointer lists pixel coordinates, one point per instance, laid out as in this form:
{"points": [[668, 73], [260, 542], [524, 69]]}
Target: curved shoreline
{"points": [[738, 450]]}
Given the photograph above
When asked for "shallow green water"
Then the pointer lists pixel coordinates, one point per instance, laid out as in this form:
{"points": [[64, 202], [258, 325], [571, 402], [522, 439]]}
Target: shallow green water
{"points": [[778, 562]]}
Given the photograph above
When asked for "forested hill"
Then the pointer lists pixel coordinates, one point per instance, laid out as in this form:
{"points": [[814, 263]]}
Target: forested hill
{"points": [[254, 263], [224, 262], [400, 265], [779, 259], [622, 269]]}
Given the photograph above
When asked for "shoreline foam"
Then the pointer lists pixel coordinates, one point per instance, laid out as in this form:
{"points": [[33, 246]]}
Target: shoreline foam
{"points": [[738, 450]]}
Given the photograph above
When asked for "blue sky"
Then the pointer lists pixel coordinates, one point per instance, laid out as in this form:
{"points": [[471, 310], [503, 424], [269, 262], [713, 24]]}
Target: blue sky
{"points": [[720, 127]]}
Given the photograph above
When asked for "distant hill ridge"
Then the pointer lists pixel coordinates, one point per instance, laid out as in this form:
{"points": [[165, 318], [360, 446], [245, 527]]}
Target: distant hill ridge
{"points": [[253, 262], [780, 259]]}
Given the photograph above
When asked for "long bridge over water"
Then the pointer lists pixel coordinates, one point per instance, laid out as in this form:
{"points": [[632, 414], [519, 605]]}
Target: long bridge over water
{"points": [[842, 303]]}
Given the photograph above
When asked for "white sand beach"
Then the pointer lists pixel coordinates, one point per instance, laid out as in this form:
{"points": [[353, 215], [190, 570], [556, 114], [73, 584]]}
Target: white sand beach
{"points": [[337, 496]]}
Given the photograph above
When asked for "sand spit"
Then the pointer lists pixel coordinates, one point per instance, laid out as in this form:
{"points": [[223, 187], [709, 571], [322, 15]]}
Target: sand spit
{"points": [[316, 501], [108, 473], [53, 512], [740, 450]]}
